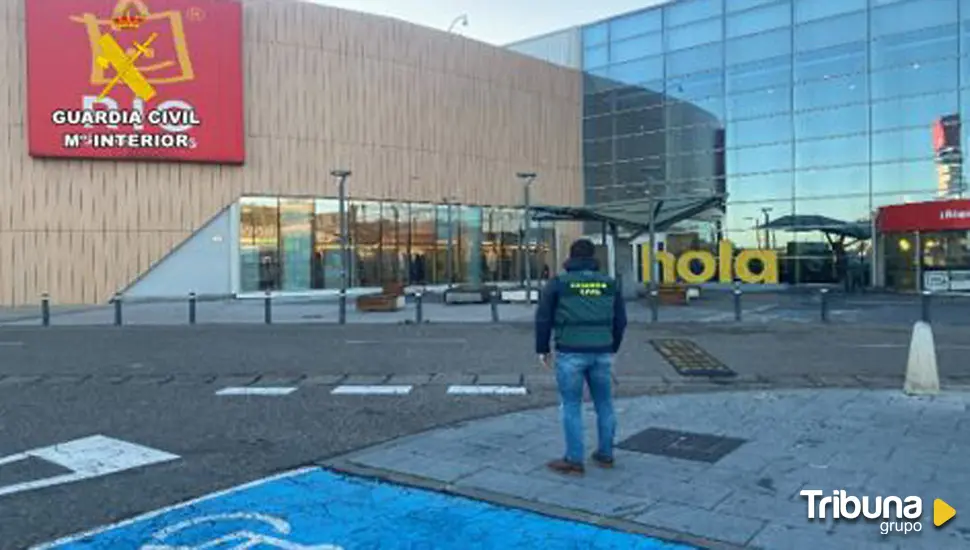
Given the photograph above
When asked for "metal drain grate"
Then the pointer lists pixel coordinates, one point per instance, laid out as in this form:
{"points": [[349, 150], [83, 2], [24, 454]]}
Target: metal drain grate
{"points": [[679, 444], [689, 359]]}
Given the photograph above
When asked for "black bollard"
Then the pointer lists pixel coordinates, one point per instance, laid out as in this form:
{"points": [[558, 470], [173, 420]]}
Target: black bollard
{"points": [[192, 301], [117, 301], [654, 305], [343, 307], [737, 303], [926, 305], [268, 308], [825, 305], [493, 300], [418, 307], [45, 310]]}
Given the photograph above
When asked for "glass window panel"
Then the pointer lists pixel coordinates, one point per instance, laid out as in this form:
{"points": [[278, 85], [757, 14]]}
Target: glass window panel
{"points": [[296, 243], [759, 131], [904, 177], [757, 20], [838, 151], [696, 86], [759, 46], [919, 111], [394, 242], [764, 102], [639, 122], [599, 151], [911, 15], [769, 158], [680, 38], [837, 60], [741, 5], [365, 232], [832, 182], [598, 103], [326, 245], [597, 56], [635, 24], [686, 11], [681, 114], [831, 32], [634, 72], [635, 48], [852, 119], [639, 97], [767, 73], [472, 265], [907, 144], [915, 79], [694, 60], [595, 34], [808, 10], [641, 146], [829, 93], [760, 187], [597, 80], [922, 45], [423, 244], [598, 127], [259, 244], [697, 169], [689, 139]]}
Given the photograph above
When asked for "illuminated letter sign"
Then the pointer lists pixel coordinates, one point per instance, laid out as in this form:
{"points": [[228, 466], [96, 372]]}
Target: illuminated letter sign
{"points": [[168, 71], [726, 264]]}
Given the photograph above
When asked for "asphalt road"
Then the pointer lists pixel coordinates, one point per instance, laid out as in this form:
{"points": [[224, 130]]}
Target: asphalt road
{"points": [[155, 386]]}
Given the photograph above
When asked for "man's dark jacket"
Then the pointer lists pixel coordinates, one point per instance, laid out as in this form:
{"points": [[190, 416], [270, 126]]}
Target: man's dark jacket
{"points": [[555, 289]]}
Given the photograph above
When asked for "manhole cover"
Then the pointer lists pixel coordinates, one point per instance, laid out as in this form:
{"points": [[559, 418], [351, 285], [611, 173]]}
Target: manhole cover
{"points": [[684, 445], [689, 359]]}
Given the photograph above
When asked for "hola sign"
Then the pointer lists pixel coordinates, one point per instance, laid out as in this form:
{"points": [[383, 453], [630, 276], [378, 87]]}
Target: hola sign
{"points": [[725, 264]]}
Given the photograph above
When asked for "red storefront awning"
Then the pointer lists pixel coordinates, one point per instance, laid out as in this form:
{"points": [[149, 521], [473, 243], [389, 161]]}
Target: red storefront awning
{"points": [[925, 216]]}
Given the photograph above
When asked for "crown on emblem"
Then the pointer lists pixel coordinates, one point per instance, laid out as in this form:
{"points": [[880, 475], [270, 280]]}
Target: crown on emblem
{"points": [[127, 21]]}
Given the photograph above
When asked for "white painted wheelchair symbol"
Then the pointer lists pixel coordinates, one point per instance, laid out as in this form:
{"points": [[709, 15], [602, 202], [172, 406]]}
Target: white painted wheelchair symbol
{"points": [[236, 540]]}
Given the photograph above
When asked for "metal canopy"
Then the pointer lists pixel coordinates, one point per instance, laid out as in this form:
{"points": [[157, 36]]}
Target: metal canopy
{"points": [[805, 223], [632, 214]]}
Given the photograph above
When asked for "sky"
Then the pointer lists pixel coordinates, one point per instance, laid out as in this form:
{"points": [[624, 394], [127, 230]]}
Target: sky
{"points": [[496, 21]]}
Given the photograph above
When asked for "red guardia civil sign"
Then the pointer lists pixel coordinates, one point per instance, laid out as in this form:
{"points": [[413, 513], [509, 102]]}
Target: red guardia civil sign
{"points": [[925, 216], [135, 79]]}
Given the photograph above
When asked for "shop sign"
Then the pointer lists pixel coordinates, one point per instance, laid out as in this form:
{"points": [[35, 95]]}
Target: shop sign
{"points": [[135, 79], [726, 265], [936, 281], [960, 281], [925, 216]]}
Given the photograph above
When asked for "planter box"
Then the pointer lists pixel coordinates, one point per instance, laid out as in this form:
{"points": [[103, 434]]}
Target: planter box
{"points": [[672, 295], [380, 303]]}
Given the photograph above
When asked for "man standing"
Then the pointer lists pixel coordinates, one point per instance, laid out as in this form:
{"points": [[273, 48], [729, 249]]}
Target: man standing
{"points": [[585, 308]]}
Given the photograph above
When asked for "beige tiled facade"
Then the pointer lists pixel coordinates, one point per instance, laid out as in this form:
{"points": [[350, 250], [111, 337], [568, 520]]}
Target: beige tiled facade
{"points": [[415, 113]]}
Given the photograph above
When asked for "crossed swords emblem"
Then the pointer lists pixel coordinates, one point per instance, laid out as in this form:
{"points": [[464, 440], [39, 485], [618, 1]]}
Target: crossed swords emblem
{"points": [[112, 55]]}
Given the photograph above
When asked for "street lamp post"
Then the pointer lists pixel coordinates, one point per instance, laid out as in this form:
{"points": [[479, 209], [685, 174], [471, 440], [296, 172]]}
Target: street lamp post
{"points": [[449, 258], [527, 179], [463, 19], [344, 237], [765, 211]]}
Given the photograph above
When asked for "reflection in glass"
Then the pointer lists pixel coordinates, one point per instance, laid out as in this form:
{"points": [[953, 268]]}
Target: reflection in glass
{"points": [[911, 15], [394, 242], [759, 131], [635, 24], [470, 246], [752, 160], [760, 187], [365, 232], [423, 245], [915, 79], [831, 182], [759, 46], [839, 121], [259, 244], [326, 245], [761, 103], [595, 34], [899, 253], [912, 111], [694, 60], [903, 178], [681, 38], [687, 11], [635, 72], [764, 74], [907, 144], [830, 93], [909, 48], [296, 243], [835, 61], [757, 20], [596, 56], [830, 32], [809, 10], [838, 151]]}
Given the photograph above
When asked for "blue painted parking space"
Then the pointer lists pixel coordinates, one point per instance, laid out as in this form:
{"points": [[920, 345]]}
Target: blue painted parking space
{"points": [[316, 509]]}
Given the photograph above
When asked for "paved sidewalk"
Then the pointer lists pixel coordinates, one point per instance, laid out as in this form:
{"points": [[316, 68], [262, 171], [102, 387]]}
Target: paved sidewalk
{"points": [[867, 442]]}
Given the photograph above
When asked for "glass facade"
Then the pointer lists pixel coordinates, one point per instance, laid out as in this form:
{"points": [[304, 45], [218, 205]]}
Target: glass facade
{"points": [[293, 244], [792, 107]]}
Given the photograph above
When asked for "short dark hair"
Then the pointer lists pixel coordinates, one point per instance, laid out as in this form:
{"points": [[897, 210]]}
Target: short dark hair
{"points": [[582, 248]]}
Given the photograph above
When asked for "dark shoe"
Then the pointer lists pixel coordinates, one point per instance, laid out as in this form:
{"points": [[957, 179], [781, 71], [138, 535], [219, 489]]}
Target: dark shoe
{"points": [[602, 461], [566, 467]]}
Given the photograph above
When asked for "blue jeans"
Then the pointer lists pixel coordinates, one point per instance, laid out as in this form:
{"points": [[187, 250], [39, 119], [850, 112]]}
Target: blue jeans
{"points": [[572, 369]]}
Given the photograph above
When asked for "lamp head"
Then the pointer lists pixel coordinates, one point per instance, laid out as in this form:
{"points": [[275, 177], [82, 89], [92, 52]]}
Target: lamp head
{"points": [[526, 175], [340, 173]]}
